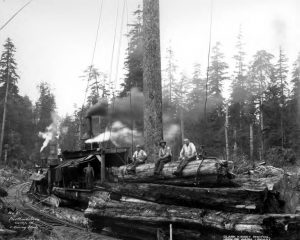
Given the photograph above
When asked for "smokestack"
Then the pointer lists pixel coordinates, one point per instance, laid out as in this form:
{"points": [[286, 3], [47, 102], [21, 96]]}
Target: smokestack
{"points": [[90, 127]]}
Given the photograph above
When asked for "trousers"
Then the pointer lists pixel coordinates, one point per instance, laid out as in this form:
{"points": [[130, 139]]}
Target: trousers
{"points": [[159, 165], [183, 164]]}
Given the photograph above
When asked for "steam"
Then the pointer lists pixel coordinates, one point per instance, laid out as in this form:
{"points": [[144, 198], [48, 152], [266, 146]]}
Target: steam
{"points": [[125, 108], [52, 131], [119, 134], [121, 112], [171, 131]]}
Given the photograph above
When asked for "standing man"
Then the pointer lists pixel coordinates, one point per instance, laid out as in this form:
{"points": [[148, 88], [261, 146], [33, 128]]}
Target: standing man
{"points": [[164, 155], [139, 157], [89, 176], [188, 153]]}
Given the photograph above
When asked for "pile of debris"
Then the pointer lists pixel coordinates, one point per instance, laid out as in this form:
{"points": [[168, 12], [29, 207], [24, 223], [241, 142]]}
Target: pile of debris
{"points": [[10, 177]]}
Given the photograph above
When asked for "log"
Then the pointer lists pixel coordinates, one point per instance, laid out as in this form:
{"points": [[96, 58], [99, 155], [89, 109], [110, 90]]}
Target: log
{"points": [[228, 199], [280, 185], [75, 195], [211, 171], [102, 207]]}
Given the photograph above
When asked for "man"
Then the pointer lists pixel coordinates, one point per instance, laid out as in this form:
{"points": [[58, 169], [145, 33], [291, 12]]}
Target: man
{"points": [[139, 157], [164, 155], [188, 153], [89, 176]]}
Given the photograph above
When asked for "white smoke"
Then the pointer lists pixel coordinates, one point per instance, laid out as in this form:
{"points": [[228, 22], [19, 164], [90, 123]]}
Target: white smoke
{"points": [[52, 131], [119, 134], [171, 131]]}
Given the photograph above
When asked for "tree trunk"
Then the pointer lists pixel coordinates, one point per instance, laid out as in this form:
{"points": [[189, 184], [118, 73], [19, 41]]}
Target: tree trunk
{"points": [[102, 207], [209, 171], [4, 116], [227, 199], [251, 143], [153, 129], [226, 134]]}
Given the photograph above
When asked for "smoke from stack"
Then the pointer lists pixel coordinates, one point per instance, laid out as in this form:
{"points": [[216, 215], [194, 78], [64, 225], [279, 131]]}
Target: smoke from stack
{"points": [[121, 112], [119, 135], [125, 108], [52, 131]]}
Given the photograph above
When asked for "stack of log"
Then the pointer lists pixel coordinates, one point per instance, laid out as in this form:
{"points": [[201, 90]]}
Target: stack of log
{"points": [[206, 199]]}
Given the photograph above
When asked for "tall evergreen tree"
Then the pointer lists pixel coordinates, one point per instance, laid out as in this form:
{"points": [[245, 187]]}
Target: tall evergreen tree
{"points": [[8, 78], [217, 75], [98, 85], [260, 75], [237, 111], [45, 105], [8, 67], [134, 60]]}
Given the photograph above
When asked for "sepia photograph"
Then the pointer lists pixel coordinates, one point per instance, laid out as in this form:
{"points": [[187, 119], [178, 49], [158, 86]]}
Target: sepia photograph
{"points": [[149, 120]]}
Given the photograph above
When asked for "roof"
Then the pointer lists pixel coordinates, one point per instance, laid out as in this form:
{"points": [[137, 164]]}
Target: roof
{"points": [[76, 162], [37, 176]]}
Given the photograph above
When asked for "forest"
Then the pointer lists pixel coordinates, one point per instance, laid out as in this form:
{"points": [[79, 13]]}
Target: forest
{"points": [[259, 122]]}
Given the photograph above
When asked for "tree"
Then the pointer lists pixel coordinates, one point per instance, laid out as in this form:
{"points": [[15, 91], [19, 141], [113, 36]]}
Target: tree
{"points": [[217, 74], [9, 78], [134, 60], [170, 79], [97, 84], [260, 75], [293, 112], [153, 128], [45, 105], [8, 69], [237, 111]]}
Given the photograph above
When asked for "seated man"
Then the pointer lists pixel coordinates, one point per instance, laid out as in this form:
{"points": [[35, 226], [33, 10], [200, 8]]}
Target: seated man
{"points": [[164, 155], [139, 157], [188, 153]]}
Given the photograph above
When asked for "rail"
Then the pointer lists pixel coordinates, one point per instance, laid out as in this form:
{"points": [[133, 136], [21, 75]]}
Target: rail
{"points": [[46, 220]]}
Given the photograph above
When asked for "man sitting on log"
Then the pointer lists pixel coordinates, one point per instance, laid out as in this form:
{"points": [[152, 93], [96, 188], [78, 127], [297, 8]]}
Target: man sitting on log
{"points": [[188, 153], [139, 157], [164, 155]]}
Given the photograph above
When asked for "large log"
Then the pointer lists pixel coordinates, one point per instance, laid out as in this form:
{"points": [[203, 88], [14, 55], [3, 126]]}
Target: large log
{"points": [[102, 207], [205, 172], [280, 185], [75, 195], [229, 199]]}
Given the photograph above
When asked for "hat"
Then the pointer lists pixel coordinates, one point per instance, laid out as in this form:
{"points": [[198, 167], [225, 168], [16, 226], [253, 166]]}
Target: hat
{"points": [[138, 146], [162, 141]]}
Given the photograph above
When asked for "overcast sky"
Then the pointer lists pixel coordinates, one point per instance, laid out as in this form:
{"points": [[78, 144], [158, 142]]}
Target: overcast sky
{"points": [[55, 38]]}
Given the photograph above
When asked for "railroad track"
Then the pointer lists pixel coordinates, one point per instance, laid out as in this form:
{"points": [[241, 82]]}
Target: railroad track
{"points": [[41, 219]]}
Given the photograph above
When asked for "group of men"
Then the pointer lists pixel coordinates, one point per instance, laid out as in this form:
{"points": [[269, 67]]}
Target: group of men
{"points": [[188, 153]]}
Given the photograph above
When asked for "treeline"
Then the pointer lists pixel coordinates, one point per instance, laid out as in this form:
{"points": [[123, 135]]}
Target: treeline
{"points": [[24, 119], [264, 100]]}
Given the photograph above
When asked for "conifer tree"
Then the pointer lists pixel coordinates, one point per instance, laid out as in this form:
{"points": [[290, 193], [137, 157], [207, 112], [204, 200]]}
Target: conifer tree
{"points": [[134, 60]]}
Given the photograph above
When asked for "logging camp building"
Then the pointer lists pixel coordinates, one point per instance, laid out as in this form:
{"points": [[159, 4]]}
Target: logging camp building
{"points": [[204, 198]]}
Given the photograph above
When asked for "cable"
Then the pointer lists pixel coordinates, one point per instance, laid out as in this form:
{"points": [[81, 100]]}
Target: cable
{"points": [[92, 61], [14, 15], [111, 66], [208, 63]]}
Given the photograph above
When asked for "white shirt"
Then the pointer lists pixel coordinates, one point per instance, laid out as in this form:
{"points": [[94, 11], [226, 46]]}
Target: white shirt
{"points": [[188, 151], [139, 155]]}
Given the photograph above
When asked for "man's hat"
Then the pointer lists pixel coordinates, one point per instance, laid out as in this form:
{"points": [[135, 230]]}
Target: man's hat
{"points": [[162, 141], [138, 146]]}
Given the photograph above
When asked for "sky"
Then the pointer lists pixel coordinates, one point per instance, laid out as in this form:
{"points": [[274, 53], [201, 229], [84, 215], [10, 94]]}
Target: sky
{"points": [[54, 39]]}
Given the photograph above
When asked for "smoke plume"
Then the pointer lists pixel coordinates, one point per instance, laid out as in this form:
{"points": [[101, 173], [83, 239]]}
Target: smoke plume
{"points": [[125, 108], [52, 131], [119, 134]]}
